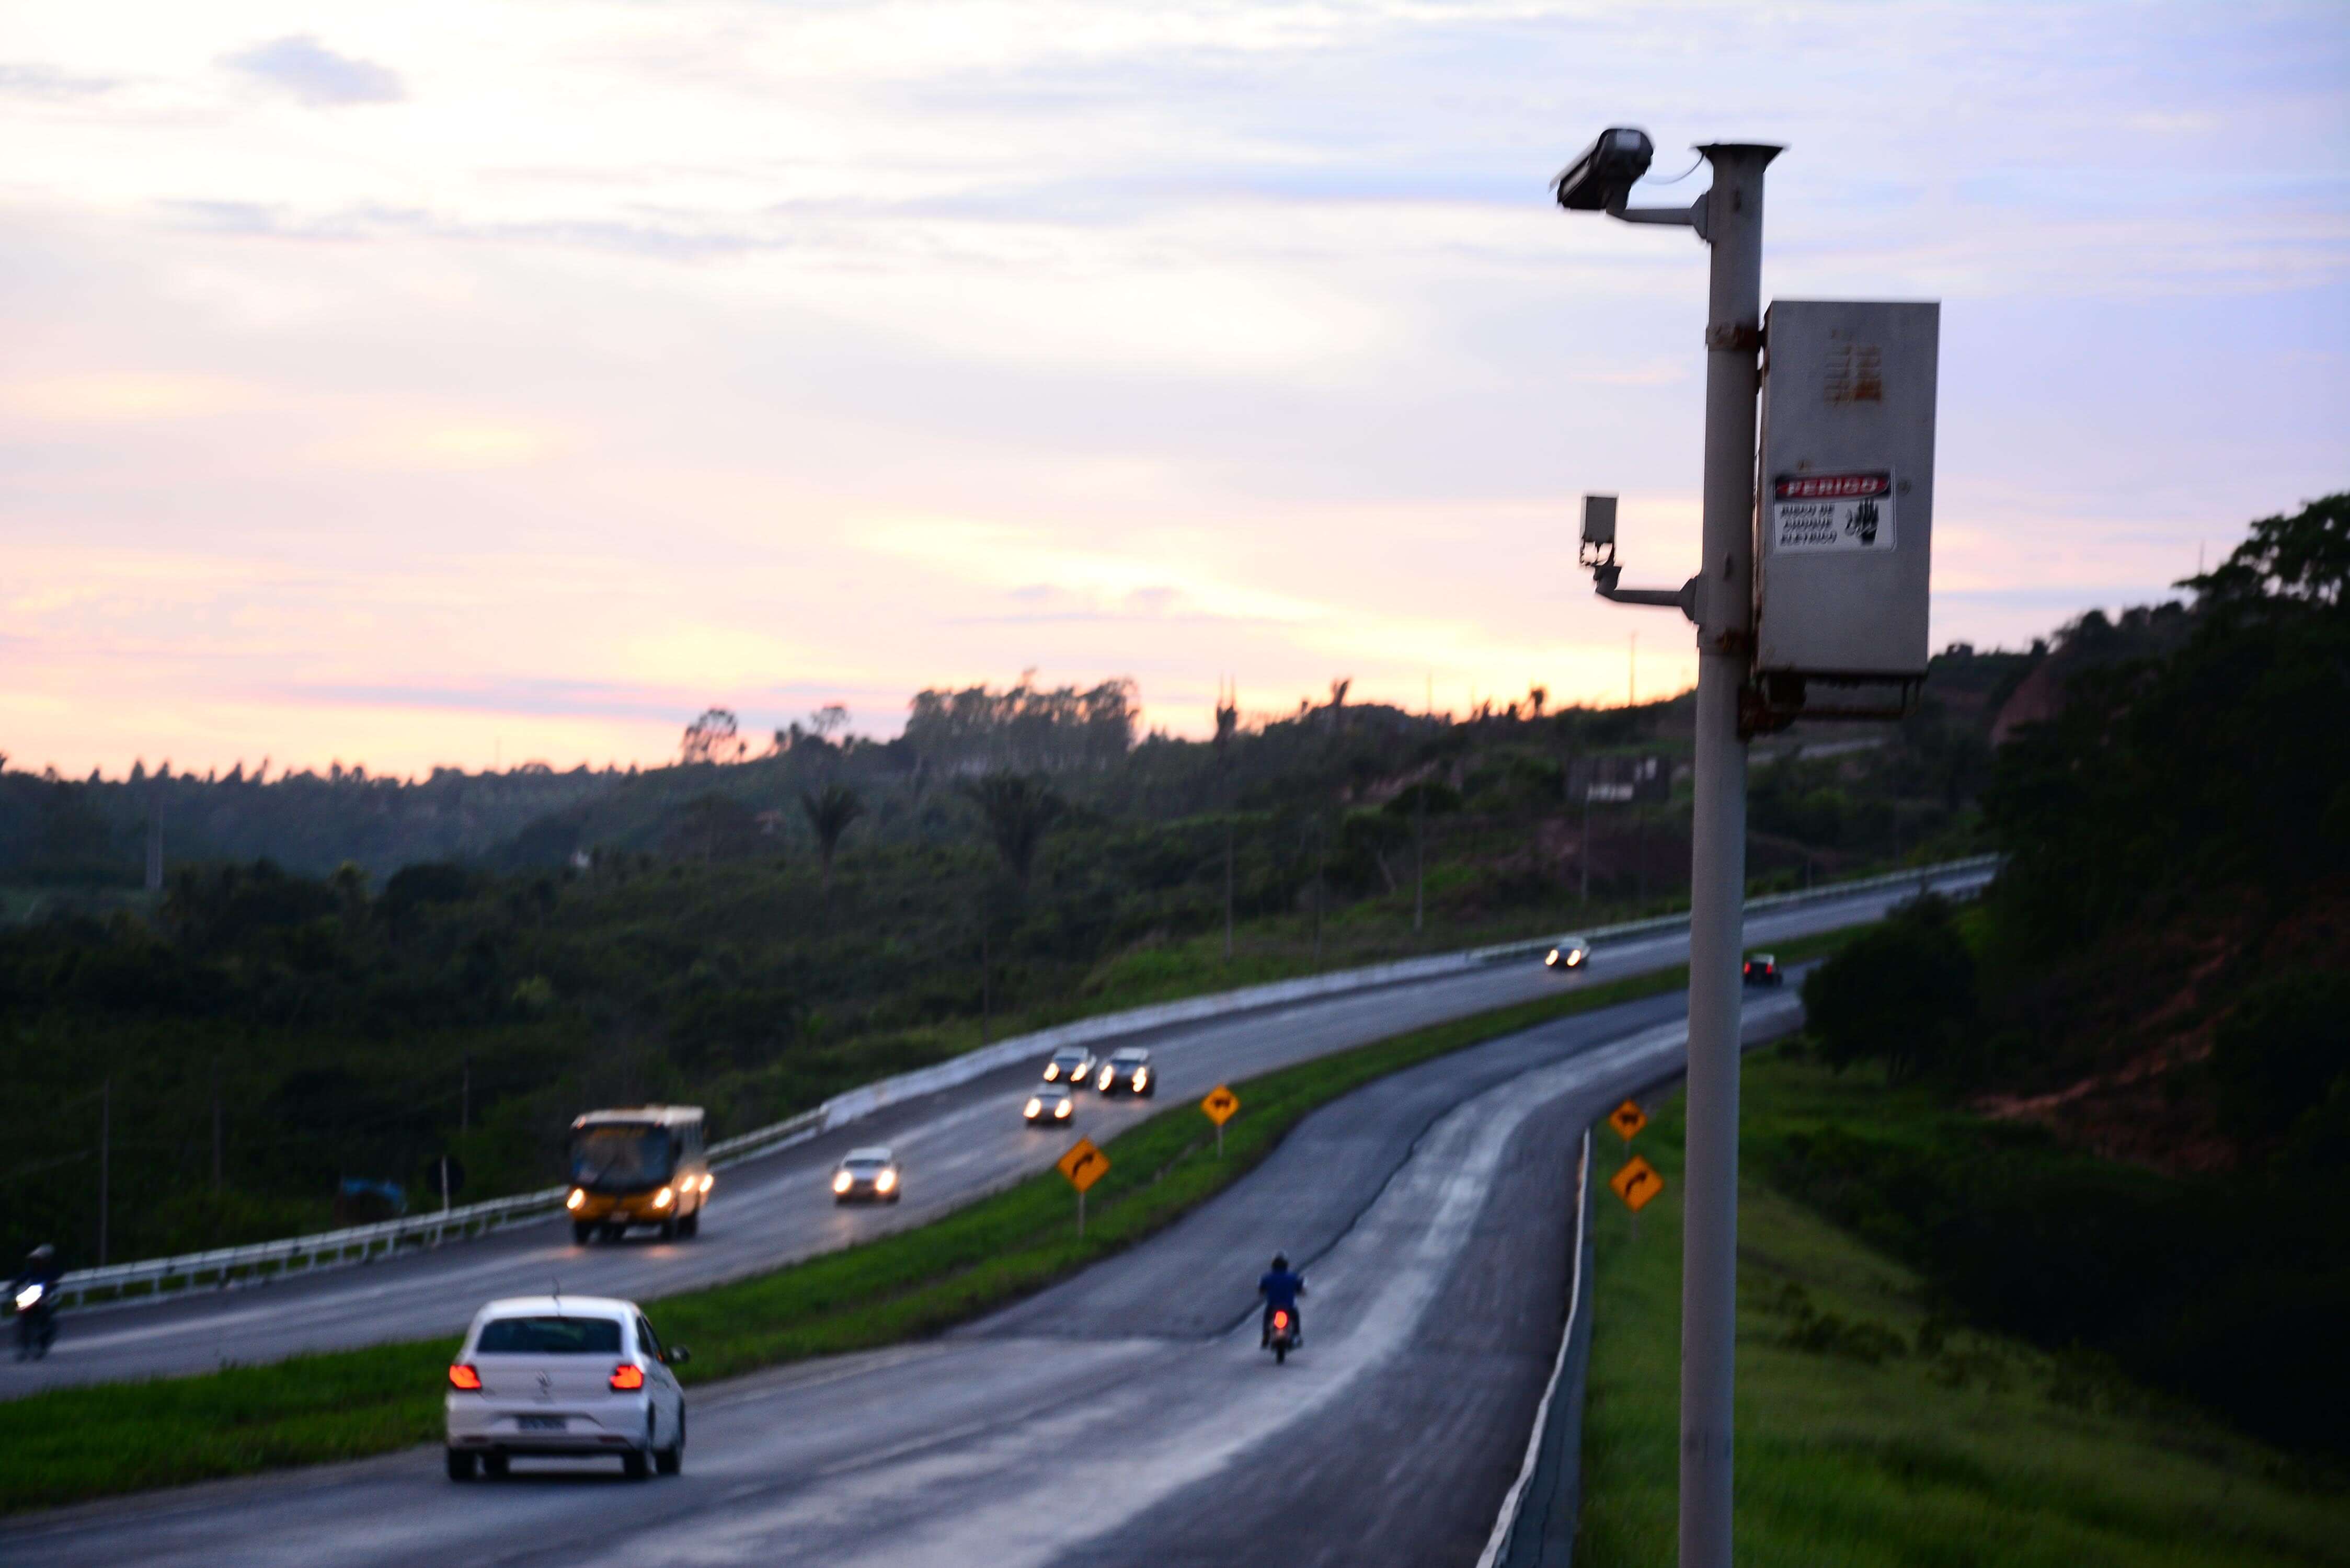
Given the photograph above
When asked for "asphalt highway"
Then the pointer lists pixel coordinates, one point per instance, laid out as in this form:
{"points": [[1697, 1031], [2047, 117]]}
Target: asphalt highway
{"points": [[1125, 1416], [953, 1146]]}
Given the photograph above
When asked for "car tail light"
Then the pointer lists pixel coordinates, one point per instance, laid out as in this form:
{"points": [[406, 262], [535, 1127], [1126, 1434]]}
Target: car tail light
{"points": [[627, 1376], [465, 1378]]}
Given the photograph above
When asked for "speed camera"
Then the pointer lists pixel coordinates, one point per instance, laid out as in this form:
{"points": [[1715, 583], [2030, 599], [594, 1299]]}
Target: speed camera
{"points": [[1602, 178]]}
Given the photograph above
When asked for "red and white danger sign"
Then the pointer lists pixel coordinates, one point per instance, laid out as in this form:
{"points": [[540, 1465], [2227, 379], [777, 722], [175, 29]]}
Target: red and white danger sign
{"points": [[1832, 512]]}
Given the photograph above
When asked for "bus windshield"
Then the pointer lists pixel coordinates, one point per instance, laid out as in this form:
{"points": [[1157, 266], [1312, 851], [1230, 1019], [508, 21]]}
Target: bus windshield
{"points": [[621, 1157]]}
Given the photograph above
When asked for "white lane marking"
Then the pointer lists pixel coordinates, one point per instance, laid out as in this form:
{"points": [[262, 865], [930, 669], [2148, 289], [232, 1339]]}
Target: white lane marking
{"points": [[1043, 1489], [1234, 1040]]}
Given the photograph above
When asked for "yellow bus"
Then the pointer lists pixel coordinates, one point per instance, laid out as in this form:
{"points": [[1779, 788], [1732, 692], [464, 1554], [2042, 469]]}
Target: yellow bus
{"points": [[644, 1166]]}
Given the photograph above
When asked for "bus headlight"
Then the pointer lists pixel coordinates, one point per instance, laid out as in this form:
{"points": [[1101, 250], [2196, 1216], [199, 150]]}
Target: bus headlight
{"points": [[664, 1197]]}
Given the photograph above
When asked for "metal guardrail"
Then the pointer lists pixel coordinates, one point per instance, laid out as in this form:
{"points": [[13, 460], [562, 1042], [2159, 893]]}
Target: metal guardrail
{"points": [[1534, 1530], [300, 1255]]}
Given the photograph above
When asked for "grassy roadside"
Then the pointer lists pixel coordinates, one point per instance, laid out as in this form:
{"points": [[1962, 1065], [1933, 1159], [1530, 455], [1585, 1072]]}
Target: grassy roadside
{"points": [[1870, 1432], [79, 1443]]}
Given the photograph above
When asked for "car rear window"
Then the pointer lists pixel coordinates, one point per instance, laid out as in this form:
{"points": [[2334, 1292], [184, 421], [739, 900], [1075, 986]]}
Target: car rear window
{"points": [[549, 1336]]}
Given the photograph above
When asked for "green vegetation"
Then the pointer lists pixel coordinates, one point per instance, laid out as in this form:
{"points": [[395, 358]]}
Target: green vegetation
{"points": [[1874, 1429], [753, 933], [78, 1443]]}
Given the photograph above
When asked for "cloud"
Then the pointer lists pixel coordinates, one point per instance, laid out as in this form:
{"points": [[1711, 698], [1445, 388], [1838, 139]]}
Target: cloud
{"points": [[48, 82], [317, 75]]}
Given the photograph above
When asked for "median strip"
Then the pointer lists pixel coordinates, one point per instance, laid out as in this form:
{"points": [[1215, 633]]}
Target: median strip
{"points": [[72, 1444]]}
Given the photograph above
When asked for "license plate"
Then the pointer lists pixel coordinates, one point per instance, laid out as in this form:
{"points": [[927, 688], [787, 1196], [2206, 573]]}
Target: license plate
{"points": [[540, 1423]]}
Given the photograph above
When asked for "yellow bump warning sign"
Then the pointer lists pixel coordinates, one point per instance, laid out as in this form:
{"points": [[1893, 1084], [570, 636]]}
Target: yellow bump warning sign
{"points": [[1627, 1119], [1220, 1104]]}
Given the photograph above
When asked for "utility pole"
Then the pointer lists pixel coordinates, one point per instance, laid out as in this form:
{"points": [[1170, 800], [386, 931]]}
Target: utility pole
{"points": [[1721, 600], [1420, 827], [1321, 868], [1419, 855], [105, 1161], [216, 1124], [1632, 671], [465, 1096], [986, 1001], [1228, 718], [155, 837]]}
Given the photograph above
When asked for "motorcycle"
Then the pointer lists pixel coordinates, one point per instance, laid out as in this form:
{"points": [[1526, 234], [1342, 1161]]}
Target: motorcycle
{"points": [[1283, 1337], [36, 1322]]}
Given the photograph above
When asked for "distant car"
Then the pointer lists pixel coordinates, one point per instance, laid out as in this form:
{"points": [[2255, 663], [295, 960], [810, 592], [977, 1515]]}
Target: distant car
{"points": [[1050, 1106], [1074, 1064], [1128, 1070], [1761, 969], [570, 1377], [867, 1176], [1572, 952]]}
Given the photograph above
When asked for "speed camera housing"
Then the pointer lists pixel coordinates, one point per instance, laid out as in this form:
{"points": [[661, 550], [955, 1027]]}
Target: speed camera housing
{"points": [[1602, 178]]}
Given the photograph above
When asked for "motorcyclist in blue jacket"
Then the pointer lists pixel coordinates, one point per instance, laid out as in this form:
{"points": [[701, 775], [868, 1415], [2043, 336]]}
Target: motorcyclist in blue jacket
{"points": [[1281, 1288]]}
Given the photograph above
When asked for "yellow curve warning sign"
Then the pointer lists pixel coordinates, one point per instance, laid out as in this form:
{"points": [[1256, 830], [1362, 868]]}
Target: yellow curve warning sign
{"points": [[1627, 1119], [1636, 1183], [1220, 1104], [1082, 1165]]}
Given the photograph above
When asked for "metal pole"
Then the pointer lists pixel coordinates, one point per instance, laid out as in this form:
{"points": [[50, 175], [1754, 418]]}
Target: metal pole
{"points": [[105, 1161], [1228, 882], [216, 1125], [1725, 605], [1081, 1213]]}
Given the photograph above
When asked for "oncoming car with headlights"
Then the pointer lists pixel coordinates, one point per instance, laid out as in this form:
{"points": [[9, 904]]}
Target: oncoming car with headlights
{"points": [[868, 1176], [1128, 1070], [1050, 1106], [639, 1166], [1572, 952], [564, 1377], [1070, 1064]]}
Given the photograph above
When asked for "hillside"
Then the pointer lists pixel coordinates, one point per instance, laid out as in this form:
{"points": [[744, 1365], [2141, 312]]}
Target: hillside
{"points": [[677, 933], [2137, 1039]]}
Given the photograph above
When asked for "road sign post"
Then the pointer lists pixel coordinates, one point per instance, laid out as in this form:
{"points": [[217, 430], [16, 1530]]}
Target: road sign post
{"points": [[1218, 1108], [1082, 1167]]}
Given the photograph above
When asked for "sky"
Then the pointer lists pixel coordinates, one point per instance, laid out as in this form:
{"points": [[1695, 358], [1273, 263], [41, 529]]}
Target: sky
{"points": [[472, 383]]}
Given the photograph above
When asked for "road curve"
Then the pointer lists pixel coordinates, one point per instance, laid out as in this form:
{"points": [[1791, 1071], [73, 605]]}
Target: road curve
{"points": [[954, 1145], [1122, 1417]]}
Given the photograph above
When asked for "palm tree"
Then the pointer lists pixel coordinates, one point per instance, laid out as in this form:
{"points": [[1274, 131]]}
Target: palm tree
{"points": [[830, 811], [1020, 810]]}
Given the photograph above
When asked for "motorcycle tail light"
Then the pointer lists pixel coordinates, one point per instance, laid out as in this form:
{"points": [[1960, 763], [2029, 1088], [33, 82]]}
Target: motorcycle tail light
{"points": [[626, 1376], [1281, 1320]]}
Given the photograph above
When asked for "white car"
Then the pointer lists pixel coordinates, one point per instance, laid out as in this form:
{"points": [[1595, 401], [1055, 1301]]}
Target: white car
{"points": [[569, 1377]]}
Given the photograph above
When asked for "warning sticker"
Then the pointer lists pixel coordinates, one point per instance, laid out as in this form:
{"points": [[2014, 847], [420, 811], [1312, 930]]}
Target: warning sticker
{"points": [[1832, 512]]}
